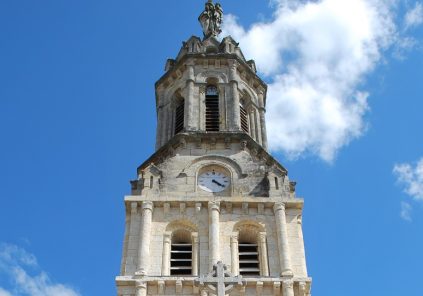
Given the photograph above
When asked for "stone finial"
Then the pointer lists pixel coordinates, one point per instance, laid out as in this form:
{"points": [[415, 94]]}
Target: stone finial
{"points": [[211, 19]]}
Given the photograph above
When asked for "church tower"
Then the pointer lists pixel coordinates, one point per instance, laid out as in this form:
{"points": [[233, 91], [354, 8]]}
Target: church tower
{"points": [[212, 212]]}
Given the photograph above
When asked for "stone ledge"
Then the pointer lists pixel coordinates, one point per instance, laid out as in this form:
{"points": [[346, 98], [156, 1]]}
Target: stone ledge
{"points": [[296, 203], [125, 280]]}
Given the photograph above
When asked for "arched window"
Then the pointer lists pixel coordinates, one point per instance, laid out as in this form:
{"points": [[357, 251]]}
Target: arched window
{"points": [[212, 109], [179, 116], [181, 253], [180, 249], [251, 250], [248, 253]]}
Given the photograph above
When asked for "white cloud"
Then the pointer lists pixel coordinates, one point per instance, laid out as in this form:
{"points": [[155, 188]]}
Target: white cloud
{"points": [[19, 266], [414, 17], [406, 211], [316, 55], [4, 292], [411, 177]]}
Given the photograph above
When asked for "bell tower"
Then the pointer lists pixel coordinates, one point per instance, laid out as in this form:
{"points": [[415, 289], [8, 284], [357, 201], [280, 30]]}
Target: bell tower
{"points": [[212, 211]]}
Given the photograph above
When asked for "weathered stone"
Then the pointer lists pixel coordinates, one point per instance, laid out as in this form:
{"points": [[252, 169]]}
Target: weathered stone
{"points": [[169, 212]]}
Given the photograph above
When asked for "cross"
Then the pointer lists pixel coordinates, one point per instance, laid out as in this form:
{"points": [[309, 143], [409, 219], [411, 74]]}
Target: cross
{"points": [[220, 281]]}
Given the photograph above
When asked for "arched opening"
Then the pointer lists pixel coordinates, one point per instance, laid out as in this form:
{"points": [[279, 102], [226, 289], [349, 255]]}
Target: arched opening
{"points": [[244, 117], [248, 253], [179, 115], [250, 249], [212, 109], [181, 253]]}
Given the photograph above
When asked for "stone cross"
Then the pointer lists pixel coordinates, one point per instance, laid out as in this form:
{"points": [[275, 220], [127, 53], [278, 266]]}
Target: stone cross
{"points": [[219, 282]]}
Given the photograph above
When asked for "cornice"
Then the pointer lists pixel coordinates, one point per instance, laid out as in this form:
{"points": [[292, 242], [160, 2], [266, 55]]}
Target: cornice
{"points": [[246, 142]]}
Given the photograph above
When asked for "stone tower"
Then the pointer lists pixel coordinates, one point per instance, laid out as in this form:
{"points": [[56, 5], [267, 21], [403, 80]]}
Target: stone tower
{"points": [[211, 192]]}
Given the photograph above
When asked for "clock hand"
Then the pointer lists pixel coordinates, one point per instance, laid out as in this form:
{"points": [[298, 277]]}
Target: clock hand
{"points": [[214, 181]]}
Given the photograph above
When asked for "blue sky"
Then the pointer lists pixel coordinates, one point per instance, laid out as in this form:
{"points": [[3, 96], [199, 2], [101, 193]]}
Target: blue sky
{"points": [[77, 116]]}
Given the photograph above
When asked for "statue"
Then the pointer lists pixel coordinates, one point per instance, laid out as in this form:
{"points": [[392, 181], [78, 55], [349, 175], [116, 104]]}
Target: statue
{"points": [[211, 19]]}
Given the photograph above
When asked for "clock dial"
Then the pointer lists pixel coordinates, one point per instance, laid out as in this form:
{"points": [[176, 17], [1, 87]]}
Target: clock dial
{"points": [[212, 181]]}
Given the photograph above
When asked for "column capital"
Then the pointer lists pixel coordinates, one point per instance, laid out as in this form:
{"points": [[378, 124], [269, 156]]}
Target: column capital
{"points": [[214, 206], [234, 238], [190, 72], [288, 284], [233, 64], [140, 285], [300, 219], [194, 237], [140, 288], [262, 236], [147, 205], [303, 287], [167, 237], [134, 207], [190, 62], [260, 90], [279, 206]]}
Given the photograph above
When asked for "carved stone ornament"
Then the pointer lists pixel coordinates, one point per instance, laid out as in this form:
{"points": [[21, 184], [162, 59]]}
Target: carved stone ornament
{"points": [[211, 19], [219, 282]]}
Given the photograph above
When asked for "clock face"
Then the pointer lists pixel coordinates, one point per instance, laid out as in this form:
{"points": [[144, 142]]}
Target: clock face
{"points": [[212, 181]]}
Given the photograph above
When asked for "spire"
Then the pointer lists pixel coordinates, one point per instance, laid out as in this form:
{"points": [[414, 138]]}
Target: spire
{"points": [[211, 19]]}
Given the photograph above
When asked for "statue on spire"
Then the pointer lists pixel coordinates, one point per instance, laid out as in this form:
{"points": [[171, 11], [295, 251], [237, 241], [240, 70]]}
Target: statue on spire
{"points": [[211, 19]]}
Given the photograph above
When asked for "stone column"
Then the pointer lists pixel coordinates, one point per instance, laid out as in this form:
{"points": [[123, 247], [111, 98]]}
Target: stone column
{"points": [[258, 126], [202, 107], [234, 116], [190, 112], [159, 127], [288, 288], [164, 125], [234, 254], [214, 233], [195, 255], [171, 122], [167, 245], [283, 245], [145, 238], [140, 288], [264, 264], [252, 124], [262, 112]]}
